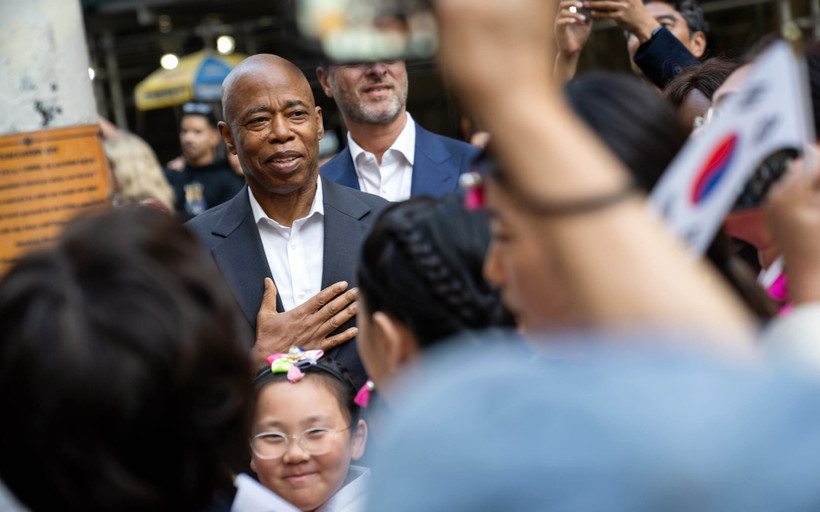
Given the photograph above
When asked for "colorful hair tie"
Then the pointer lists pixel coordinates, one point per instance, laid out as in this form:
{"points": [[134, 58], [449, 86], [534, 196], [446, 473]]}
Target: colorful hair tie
{"points": [[290, 363], [473, 184], [363, 396]]}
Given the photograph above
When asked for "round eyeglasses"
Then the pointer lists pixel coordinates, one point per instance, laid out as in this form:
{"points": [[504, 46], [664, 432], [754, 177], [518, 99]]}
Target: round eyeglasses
{"points": [[314, 441]]}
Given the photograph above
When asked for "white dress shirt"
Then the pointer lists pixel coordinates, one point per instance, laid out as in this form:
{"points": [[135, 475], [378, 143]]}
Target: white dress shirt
{"points": [[295, 254], [393, 178], [251, 496]]}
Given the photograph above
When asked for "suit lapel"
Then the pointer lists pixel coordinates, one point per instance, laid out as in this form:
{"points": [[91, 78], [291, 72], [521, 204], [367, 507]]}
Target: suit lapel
{"points": [[341, 170], [434, 172], [241, 257], [342, 215]]}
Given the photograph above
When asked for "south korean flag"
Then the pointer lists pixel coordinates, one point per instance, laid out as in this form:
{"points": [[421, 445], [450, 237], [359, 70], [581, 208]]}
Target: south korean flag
{"points": [[767, 117]]}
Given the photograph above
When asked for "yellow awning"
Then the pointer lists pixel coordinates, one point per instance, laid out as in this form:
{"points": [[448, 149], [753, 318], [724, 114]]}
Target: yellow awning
{"points": [[197, 77]]}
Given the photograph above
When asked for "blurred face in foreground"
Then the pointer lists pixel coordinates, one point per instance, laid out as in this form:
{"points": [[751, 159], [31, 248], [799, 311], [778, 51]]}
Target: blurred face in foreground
{"points": [[521, 264]]}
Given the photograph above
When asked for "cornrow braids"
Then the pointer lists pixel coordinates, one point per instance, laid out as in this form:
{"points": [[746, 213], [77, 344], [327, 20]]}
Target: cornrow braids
{"points": [[422, 263], [445, 284]]}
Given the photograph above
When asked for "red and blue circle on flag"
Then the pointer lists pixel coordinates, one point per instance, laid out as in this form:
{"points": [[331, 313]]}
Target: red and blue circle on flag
{"points": [[713, 170]]}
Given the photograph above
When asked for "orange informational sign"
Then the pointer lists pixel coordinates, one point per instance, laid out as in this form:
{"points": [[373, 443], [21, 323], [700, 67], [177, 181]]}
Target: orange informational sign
{"points": [[46, 179]]}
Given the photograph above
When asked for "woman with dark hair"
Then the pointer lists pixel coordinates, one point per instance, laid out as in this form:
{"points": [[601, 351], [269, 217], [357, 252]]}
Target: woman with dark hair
{"points": [[644, 132], [124, 380], [691, 91], [420, 282], [639, 126]]}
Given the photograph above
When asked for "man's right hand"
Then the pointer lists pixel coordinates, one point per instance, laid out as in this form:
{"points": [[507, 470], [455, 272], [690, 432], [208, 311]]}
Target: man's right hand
{"points": [[307, 325]]}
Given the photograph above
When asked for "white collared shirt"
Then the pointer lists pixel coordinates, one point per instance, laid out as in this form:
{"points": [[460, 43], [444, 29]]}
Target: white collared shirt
{"points": [[251, 496], [295, 254], [393, 178]]}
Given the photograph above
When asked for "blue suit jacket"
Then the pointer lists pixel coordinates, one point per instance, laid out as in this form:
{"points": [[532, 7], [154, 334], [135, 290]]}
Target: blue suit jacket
{"points": [[437, 164], [230, 234]]}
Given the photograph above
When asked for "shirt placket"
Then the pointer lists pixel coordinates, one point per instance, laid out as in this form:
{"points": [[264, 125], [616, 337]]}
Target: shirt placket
{"points": [[298, 264]]}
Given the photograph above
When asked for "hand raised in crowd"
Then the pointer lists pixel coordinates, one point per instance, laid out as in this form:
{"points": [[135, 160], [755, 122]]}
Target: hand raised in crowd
{"points": [[793, 208], [572, 29], [629, 15], [307, 325], [494, 50]]}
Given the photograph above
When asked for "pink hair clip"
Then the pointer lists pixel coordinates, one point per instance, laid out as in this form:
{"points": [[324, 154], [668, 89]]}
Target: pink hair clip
{"points": [[363, 396], [473, 184], [282, 363]]}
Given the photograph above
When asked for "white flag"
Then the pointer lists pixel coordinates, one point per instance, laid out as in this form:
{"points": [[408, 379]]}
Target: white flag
{"points": [[766, 115]]}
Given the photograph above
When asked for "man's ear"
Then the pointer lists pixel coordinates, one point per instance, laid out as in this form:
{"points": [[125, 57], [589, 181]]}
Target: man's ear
{"points": [[358, 441], [321, 126], [322, 75], [697, 44], [400, 346], [227, 136]]}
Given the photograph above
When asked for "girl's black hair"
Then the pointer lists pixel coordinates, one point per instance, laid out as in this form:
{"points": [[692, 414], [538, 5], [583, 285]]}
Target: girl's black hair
{"points": [[333, 374], [422, 263]]}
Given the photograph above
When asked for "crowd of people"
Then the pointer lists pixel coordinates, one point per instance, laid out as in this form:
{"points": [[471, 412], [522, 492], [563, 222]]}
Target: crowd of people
{"points": [[419, 323]]}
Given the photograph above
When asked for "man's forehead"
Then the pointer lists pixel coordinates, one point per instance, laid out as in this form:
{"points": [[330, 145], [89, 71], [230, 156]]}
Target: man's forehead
{"points": [[660, 8], [276, 84]]}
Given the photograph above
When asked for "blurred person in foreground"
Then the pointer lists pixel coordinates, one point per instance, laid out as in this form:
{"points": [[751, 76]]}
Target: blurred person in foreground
{"points": [[287, 242], [122, 373], [619, 430], [204, 181], [646, 134], [571, 216], [420, 283], [138, 176]]}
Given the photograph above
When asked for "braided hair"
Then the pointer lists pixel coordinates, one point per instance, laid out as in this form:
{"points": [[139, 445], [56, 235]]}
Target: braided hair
{"points": [[422, 263]]}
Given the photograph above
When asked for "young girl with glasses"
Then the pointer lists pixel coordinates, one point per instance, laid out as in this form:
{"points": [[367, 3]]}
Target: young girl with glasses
{"points": [[305, 433]]}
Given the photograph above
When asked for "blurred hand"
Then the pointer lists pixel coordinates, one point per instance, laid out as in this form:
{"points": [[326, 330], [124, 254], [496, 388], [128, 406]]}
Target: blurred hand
{"points": [[306, 325], [488, 46], [793, 208], [572, 29], [629, 15]]}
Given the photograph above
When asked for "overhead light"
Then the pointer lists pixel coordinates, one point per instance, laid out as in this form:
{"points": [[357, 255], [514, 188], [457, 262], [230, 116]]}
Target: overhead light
{"points": [[91, 73], [169, 61], [225, 45]]}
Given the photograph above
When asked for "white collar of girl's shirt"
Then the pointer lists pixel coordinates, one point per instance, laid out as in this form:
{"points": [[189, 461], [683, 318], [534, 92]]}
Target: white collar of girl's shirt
{"points": [[351, 497], [251, 496]]}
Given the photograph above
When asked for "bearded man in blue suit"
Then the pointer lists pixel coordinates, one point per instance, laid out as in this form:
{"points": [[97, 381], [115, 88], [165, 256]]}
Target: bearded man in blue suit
{"points": [[388, 153]]}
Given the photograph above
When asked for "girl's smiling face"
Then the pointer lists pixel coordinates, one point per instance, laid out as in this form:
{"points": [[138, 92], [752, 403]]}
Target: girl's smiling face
{"points": [[306, 481]]}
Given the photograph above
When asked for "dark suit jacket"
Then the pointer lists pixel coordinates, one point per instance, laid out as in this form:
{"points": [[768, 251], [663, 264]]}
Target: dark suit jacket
{"points": [[230, 234], [437, 163]]}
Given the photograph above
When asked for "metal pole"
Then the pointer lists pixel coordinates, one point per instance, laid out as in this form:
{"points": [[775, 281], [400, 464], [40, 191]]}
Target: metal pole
{"points": [[114, 84], [44, 69], [785, 9]]}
